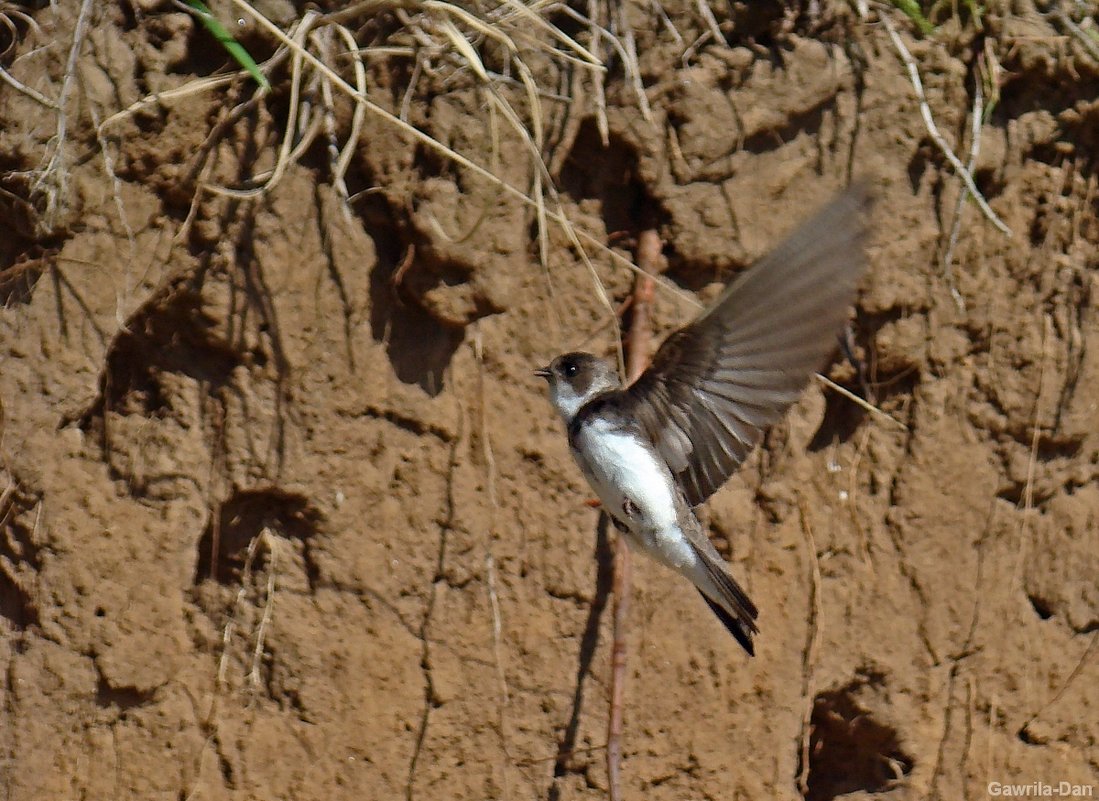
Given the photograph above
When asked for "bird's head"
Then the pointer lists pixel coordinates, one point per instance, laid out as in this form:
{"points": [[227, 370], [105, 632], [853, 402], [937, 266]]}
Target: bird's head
{"points": [[576, 378]]}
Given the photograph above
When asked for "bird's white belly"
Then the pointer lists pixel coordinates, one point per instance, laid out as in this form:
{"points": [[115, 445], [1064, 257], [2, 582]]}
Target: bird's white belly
{"points": [[621, 468]]}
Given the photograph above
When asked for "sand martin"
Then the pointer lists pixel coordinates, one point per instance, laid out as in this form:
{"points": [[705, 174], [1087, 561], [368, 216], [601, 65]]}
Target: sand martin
{"points": [[656, 449]]}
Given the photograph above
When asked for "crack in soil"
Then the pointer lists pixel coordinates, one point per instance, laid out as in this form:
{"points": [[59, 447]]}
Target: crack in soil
{"points": [[425, 622]]}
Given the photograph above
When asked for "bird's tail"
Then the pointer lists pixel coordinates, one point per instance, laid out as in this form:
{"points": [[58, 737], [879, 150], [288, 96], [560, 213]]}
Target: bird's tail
{"points": [[734, 608], [742, 626]]}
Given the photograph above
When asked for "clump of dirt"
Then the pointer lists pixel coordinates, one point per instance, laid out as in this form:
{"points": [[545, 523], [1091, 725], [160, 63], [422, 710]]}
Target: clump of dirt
{"points": [[283, 512]]}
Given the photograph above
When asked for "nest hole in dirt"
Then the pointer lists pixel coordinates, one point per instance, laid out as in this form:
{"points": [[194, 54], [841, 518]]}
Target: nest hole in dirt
{"points": [[223, 547], [850, 751]]}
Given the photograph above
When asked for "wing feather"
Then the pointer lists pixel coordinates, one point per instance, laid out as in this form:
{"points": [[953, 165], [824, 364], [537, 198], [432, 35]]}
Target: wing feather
{"points": [[715, 386]]}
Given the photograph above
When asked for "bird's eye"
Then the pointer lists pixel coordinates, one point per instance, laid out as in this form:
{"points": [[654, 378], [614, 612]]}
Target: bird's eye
{"points": [[570, 369]]}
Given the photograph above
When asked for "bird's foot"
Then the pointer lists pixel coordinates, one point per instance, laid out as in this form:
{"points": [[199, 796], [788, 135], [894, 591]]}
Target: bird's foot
{"points": [[618, 524]]}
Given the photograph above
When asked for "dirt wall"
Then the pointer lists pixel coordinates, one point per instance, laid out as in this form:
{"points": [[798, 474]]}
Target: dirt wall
{"points": [[286, 515]]}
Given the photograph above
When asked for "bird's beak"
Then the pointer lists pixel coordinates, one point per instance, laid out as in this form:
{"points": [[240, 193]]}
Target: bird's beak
{"points": [[543, 372]]}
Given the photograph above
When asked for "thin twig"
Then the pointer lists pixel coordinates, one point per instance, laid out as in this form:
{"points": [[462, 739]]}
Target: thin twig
{"points": [[866, 405], [55, 174], [959, 205], [8, 11], [1027, 501], [497, 630], [368, 8], [189, 88], [708, 17], [933, 129], [323, 39], [265, 620], [586, 58], [668, 24], [287, 151], [650, 259], [70, 68], [238, 605], [33, 94], [692, 49], [207, 159], [632, 65], [531, 136], [122, 297], [626, 48], [1080, 663], [1057, 13], [599, 94], [351, 147], [621, 588]]}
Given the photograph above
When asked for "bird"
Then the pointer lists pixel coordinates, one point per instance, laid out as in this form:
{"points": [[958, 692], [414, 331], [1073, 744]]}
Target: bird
{"points": [[655, 450]]}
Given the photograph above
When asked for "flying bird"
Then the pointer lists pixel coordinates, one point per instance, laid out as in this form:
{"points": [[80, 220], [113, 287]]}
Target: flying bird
{"points": [[658, 448]]}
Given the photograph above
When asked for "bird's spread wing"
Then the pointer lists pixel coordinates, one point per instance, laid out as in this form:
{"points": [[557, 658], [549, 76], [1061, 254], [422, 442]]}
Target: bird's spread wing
{"points": [[715, 386]]}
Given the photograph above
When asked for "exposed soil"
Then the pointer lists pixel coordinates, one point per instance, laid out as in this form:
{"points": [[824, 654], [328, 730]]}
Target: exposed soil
{"points": [[285, 514]]}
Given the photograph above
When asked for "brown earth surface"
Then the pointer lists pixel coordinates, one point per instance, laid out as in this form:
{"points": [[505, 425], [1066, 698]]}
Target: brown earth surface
{"points": [[285, 514]]}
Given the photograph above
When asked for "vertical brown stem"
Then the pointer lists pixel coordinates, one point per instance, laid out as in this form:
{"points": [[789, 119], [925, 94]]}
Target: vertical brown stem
{"points": [[618, 665], [650, 260]]}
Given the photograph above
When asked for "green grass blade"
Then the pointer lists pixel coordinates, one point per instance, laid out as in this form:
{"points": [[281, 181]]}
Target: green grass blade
{"points": [[912, 10], [231, 45]]}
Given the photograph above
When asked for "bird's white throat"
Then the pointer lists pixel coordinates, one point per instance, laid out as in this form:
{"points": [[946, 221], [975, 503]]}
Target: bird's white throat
{"points": [[567, 401]]}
